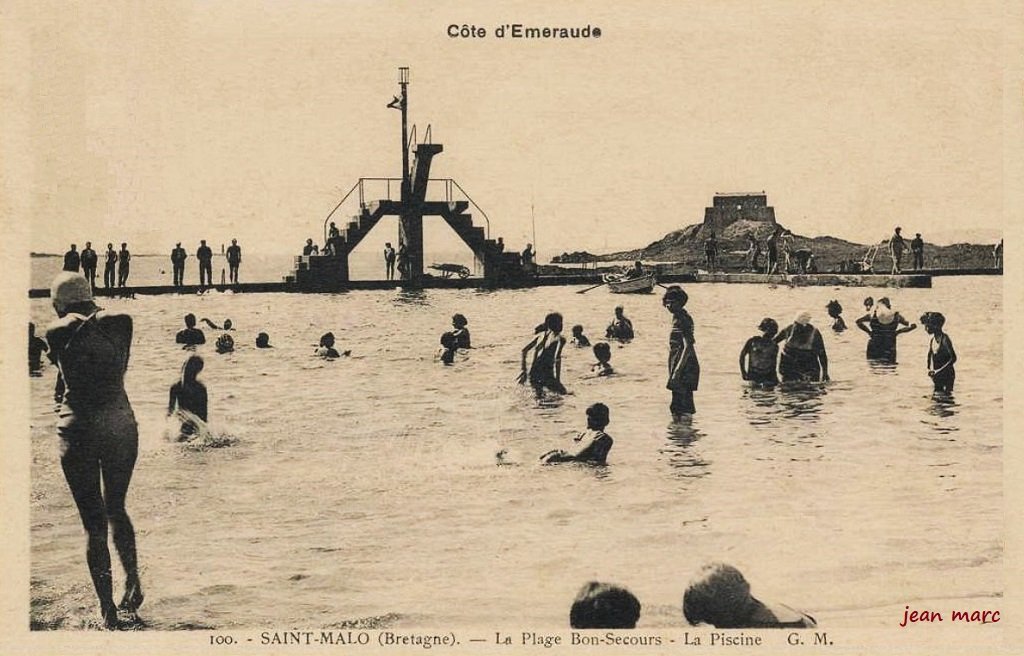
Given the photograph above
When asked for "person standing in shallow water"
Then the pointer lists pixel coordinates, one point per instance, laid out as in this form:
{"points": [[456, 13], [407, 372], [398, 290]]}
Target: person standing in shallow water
{"points": [[98, 432], [883, 324], [189, 395], [461, 333], [759, 354], [835, 311], [545, 353], [941, 354], [683, 367], [803, 355]]}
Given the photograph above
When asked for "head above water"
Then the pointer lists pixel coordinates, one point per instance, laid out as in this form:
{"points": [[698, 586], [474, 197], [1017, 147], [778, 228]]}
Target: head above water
{"points": [[553, 322], [225, 344], [768, 326], [604, 606], [577, 330], [834, 309], [869, 302], [598, 416], [327, 339], [263, 340], [602, 352], [191, 368], [190, 320], [227, 324], [717, 595], [459, 320], [618, 311], [71, 292]]}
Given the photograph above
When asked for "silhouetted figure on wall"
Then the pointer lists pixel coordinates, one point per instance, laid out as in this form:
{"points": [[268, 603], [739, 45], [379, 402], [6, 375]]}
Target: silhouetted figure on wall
{"points": [[72, 259], [178, 257], [234, 255], [109, 267], [124, 259], [89, 260], [205, 256]]}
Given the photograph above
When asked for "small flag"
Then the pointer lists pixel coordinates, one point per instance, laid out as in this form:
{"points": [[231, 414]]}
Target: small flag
{"points": [[396, 103]]}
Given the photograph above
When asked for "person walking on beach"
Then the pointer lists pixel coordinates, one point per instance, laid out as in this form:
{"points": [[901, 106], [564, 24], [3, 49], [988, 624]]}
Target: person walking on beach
{"points": [[759, 355], [99, 437], [188, 398], [803, 354], [178, 257], [896, 247], [941, 354], [917, 250], [683, 366], [882, 325], [545, 353], [389, 261], [124, 259], [72, 259], [89, 260], [108, 267], [234, 255], [205, 256]]}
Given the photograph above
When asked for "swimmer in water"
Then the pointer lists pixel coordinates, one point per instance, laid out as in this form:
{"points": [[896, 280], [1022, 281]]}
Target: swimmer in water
{"points": [[263, 341], [189, 395], [190, 335], [326, 349], [579, 340], [545, 350], [449, 344], [99, 437], [941, 354], [225, 344], [803, 354], [604, 606], [835, 310], [603, 366], [719, 595], [461, 333], [592, 445], [621, 328], [883, 324], [759, 355]]}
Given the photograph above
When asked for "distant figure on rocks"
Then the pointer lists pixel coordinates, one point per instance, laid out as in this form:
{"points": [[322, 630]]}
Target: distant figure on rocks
{"points": [[109, 267], [124, 260], [835, 311], [711, 252], [545, 353], [621, 328], [753, 253], [883, 324], [190, 335], [461, 333], [263, 341], [389, 261], [803, 354], [803, 258], [917, 251], [528, 256], [178, 257], [759, 355], [205, 256], [941, 354], [683, 366], [604, 606], [771, 249], [592, 445], [36, 347], [72, 259], [89, 260], [719, 595], [326, 349], [234, 257], [896, 247], [578, 338], [189, 396], [603, 366]]}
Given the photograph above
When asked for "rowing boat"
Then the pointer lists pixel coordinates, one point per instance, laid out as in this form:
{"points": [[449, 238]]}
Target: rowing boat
{"points": [[619, 284]]}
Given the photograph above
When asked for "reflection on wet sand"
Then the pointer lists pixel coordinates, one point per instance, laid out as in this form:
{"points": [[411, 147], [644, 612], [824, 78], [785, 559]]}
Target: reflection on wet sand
{"points": [[681, 436]]}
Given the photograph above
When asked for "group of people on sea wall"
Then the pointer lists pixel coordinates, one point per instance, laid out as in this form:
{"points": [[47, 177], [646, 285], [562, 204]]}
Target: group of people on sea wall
{"points": [[116, 264], [718, 594], [204, 256]]}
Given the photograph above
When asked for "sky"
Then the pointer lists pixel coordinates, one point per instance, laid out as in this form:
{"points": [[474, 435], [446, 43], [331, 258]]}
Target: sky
{"points": [[154, 123]]}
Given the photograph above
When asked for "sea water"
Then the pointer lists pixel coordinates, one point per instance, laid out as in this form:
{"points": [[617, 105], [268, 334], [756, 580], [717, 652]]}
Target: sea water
{"points": [[366, 491]]}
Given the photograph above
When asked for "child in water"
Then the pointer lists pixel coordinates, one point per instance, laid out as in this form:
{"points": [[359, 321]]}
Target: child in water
{"points": [[461, 333], [835, 310], [621, 328], [188, 398], [449, 344], [759, 355], [594, 444], [603, 353], [579, 340], [326, 349], [941, 355]]}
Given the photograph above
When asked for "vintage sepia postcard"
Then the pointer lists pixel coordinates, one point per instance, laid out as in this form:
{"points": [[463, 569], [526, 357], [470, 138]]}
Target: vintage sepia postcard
{"points": [[532, 327]]}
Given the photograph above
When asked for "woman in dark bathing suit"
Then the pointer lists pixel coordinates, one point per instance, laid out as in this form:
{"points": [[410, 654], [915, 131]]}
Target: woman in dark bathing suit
{"points": [[883, 324], [803, 355], [545, 368], [941, 355], [683, 367], [99, 438]]}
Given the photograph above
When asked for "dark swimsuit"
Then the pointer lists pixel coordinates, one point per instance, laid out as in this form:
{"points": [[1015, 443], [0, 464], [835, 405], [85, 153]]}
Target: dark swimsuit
{"points": [[941, 352], [763, 353], [882, 342], [542, 372], [799, 359]]}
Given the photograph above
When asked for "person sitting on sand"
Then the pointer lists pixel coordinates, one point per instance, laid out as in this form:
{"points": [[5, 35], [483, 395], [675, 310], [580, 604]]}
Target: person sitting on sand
{"points": [[263, 341], [461, 333], [803, 355], [592, 445], [603, 366], [36, 347], [604, 606], [326, 349], [545, 351], [190, 335], [941, 354], [227, 324], [883, 324], [621, 328], [225, 344], [835, 310], [449, 344], [579, 340], [188, 397], [719, 595], [759, 354]]}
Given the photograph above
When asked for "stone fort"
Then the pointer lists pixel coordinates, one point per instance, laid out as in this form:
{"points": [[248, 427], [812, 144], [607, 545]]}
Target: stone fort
{"points": [[727, 209]]}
